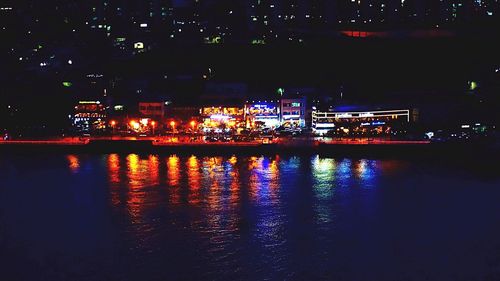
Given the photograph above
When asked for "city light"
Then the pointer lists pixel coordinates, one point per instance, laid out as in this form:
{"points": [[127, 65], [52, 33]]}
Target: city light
{"points": [[135, 125], [219, 116]]}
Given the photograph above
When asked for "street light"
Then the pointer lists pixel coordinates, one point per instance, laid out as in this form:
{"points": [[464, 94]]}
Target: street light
{"points": [[153, 123], [113, 124], [193, 125], [172, 124]]}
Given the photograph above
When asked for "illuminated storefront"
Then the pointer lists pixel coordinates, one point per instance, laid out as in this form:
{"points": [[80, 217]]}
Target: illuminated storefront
{"points": [[361, 122], [263, 112], [222, 117], [89, 116], [293, 112]]}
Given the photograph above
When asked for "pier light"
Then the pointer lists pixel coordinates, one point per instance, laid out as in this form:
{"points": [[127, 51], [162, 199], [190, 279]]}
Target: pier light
{"points": [[113, 123]]}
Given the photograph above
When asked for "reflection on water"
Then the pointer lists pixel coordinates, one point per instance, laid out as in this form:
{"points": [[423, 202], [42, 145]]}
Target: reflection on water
{"points": [[73, 163], [217, 185], [194, 180], [276, 217]]}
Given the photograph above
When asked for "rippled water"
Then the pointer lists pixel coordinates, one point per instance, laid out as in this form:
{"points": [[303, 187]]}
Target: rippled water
{"points": [[168, 217]]}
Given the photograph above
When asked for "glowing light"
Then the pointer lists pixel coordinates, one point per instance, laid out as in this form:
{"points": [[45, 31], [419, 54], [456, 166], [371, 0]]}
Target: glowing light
{"points": [[67, 84], [172, 124], [113, 123], [194, 178], [219, 116], [134, 124], [89, 102], [144, 121], [368, 114], [153, 123], [139, 45], [473, 85], [74, 163], [114, 174], [343, 115]]}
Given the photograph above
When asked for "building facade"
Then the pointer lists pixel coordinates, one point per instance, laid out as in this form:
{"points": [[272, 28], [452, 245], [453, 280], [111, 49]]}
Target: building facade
{"points": [[293, 112], [360, 122], [264, 113], [154, 110], [88, 117]]}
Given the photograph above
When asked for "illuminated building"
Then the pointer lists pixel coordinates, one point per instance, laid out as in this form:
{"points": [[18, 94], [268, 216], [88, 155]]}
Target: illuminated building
{"points": [[378, 121], [89, 116], [293, 112], [227, 117], [222, 105], [152, 109], [266, 112]]}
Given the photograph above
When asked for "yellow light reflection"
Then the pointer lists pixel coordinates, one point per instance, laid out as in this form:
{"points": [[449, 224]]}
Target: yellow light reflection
{"points": [[194, 179], [173, 176], [233, 160]]}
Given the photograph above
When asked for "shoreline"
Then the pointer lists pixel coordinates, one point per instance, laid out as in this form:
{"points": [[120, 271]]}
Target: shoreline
{"points": [[376, 149]]}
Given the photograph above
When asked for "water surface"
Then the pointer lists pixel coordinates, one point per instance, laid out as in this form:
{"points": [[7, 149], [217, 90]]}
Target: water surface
{"points": [[169, 217]]}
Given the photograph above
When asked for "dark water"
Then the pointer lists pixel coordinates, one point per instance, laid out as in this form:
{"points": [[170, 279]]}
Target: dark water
{"points": [[154, 217]]}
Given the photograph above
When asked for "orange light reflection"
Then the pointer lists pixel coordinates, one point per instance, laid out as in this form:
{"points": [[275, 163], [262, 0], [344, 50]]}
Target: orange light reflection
{"points": [[74, 163]]}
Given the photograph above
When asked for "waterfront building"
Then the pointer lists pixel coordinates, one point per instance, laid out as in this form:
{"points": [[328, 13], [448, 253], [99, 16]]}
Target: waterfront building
{"points": [[222, 117], [222, 106], [89, 116], [293, 112], [265, 112], [155, 110], [360, 122]]}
